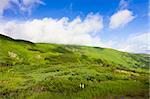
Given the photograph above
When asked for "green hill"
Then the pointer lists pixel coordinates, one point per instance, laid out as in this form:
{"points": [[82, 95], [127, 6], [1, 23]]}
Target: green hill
{"points": [[55, 71]]}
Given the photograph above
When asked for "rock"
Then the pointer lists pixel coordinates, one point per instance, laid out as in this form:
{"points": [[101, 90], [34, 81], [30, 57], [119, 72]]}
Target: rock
{"points": [[12, 54], [38, 57]]}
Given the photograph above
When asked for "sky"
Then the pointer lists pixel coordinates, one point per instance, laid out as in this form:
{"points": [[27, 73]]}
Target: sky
{"points": [[117, 24]]}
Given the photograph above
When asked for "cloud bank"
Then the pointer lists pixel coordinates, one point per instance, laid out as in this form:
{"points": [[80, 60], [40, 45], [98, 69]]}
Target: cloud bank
{"points": [[136, 43], [51, 30]]}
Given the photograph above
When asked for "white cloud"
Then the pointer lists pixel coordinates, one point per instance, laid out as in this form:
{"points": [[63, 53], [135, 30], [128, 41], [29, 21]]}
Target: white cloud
{"points": [[136, 43], [23, 5], [27, 5], [31, 2], [77, 31], [121, 18], [51, 30], [3, 6], [123, 4]]}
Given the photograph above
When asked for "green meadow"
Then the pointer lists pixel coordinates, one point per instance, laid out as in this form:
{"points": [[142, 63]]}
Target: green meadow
{"points": [[56, 71]]}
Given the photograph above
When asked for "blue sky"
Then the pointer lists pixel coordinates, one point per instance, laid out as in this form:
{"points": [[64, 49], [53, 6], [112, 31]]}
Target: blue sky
{"points": [[118, 21]]}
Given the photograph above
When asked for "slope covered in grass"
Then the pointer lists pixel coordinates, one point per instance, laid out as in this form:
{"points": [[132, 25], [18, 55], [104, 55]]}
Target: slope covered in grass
{"points": [[51, 71]]}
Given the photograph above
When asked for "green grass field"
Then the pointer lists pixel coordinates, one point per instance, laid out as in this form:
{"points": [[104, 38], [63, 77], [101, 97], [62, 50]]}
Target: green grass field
{"points": [[55, 71]]}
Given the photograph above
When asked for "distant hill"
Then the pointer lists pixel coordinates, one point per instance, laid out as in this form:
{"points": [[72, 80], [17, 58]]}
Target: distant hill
{"points": [[38, 70], [57, 53]]}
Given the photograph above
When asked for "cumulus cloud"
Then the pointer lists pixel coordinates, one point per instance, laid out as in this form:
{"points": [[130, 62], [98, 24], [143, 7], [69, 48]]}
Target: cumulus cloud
{"points": [[23, 5], [136, 43], [121, 18], [62, 30]]}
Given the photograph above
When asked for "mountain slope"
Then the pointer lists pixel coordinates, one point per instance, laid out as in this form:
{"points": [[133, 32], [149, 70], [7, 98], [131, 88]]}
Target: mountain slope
{"points": [[55, 70]]}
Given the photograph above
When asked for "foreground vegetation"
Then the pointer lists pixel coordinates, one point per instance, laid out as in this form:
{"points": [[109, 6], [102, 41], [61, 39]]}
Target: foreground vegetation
{"points": [[53, 71]]}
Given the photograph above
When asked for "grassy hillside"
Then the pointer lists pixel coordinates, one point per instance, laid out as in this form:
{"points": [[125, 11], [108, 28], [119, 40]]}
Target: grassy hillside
{"points": [[55, 71]]}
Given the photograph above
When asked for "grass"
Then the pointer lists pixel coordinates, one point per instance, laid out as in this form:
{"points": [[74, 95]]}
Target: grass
{"points": [[55, 71]]}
